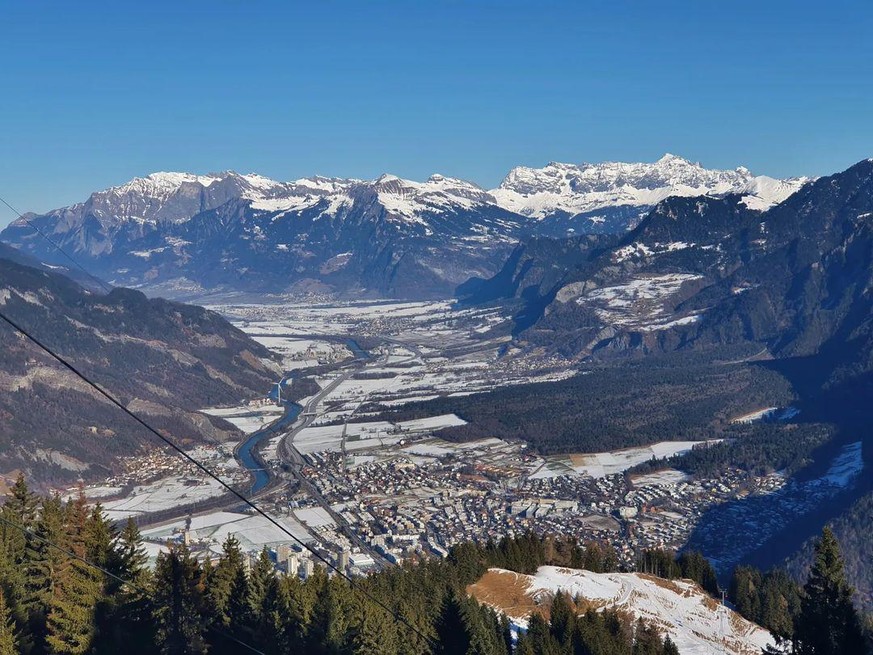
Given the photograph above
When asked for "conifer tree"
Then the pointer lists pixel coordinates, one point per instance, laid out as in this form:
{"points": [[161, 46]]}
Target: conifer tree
{"points": [[541, 638], [20, 509], [375, 632], [779, 603], [131, 559], [329, 631], [40, 567], [228, 573], [280, 627], [100, 536], [828, 622], [452, 634], [178, 603], [563, 620], [647, 641], [261, 576], [8, 642], [694, 566], [744, 592], [239, 607], [78, 587], [670, 648]]}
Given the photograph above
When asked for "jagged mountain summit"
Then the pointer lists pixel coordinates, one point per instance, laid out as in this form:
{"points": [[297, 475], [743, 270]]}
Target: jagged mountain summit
{"points": [[614, 193], [182, 234], [706, 270]]}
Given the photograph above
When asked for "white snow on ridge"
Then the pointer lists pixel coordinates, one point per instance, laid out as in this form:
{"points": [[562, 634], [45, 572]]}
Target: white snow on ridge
{"points": [[643, 303], [574, 189], [698, 624], [532, 192], [679, 607]]}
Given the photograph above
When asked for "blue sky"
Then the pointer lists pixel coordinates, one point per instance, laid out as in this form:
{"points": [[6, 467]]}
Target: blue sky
{"points": [[94, 93]]}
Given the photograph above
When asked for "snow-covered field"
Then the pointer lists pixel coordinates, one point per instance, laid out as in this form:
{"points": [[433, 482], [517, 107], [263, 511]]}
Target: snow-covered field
{"points": [[253, 532], [697, 623], [599, 465], [643, 303], [846, 467], [666, 477], [164, 494], [245, 418]]}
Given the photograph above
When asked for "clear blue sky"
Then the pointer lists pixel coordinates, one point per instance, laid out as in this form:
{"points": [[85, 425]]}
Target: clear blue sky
{"points": [[94, 93]]}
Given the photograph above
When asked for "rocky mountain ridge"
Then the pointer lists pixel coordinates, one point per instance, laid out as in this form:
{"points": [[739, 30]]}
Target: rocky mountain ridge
{"points": [[184, 234]]}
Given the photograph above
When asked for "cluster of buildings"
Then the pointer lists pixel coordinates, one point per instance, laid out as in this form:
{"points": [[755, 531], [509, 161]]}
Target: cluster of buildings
{"points": [[407, 506]]}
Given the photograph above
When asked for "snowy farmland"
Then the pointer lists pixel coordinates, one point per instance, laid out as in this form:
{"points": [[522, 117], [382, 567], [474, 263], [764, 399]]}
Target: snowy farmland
{"points": [[164, 494], [253, 532], [599, 465], [247, 419]]}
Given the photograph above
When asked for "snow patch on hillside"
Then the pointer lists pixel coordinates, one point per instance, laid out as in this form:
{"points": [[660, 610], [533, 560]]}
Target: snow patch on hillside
{"points": [[697, 623]]}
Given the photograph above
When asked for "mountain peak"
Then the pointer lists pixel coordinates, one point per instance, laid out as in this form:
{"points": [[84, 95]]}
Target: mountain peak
{"points": [[576, 189], [670, 158]]}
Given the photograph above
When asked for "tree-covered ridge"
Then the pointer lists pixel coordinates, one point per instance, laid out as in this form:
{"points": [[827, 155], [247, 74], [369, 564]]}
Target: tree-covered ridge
{"points": [[674, 397]]}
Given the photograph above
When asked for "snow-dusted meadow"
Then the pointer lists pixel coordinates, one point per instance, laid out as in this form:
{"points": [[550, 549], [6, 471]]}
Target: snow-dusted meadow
{"points": [[599, 465], [695, 622]]}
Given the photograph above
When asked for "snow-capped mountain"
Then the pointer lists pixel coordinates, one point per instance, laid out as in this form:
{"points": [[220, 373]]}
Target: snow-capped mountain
{"points": [[173, 232], [572, 189]]}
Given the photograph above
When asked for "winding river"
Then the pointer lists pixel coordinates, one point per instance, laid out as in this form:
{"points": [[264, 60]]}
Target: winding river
{"points": [[246, 452]]}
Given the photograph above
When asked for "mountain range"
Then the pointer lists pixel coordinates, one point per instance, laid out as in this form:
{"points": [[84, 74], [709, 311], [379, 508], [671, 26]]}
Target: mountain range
{"points": [[186, 235], [793, 279]]}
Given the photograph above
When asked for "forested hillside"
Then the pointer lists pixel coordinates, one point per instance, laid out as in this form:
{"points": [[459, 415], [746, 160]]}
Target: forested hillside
{"points": [[164, 359], [667, 398]]}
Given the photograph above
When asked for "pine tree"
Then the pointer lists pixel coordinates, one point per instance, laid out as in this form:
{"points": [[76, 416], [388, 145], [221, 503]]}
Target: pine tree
{"points": [[329, 632], [131, 559], [647, 641], [541, 637], [20, 510], [375, 632], [100, 537], [124, 621], [780, 603], [694, 566], [78, 587], [451, 628], [670, 648], [563, 620], [178, 603], [40, 567], [828, 622], [260, 578], [228, 572], [280, 626], [8, 642]]}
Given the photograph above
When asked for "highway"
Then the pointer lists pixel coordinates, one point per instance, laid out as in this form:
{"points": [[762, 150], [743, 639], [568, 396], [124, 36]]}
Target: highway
{"points": [[295, 462]]}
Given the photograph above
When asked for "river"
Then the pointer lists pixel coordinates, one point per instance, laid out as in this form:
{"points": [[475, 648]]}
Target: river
{"points": [[246, 452]]}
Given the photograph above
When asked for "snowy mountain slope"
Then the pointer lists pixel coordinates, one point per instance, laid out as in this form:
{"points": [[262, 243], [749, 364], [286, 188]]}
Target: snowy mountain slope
{"points": [[224, 232], [695, 622], [572, 189]]}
